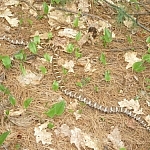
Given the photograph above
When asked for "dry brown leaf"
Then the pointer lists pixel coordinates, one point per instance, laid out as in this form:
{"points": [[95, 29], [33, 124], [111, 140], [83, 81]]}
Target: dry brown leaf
{"points": [[14, 22], [29, 78], [147, 118], [131, 58], [132, 104], [115, 139], [69, 65], [18, 112], [128, 22], [42, 135], [83, 5], [77, 114], [11, 2], [67, 32]]}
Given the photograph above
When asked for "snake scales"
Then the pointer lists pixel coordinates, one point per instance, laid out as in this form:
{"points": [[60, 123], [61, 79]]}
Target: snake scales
{"points": [[79, 97]]}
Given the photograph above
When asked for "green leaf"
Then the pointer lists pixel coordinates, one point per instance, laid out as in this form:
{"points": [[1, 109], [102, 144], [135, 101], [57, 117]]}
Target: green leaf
{"points": [[4, 89], [138, 66], [78, 36], [20, 55], [107, 36], [107, 75], [23, 70], [76, 22], [50, 35], [6, 61], [27, 103], [32, 47], [47, 57], [70, 48], [103, 59], [64, 70], [36, 39], [55, 86], [50, 125], [122, 148], [56, 110], [146, 58], [129, 39], [79, 84], [3, 136], [78, 54], [148, 50], [45, 8], [148, 40], [43, 69], [12, 100]]}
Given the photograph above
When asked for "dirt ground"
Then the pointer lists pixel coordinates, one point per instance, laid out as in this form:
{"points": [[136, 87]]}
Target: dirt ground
{"points": [[124, 83]]}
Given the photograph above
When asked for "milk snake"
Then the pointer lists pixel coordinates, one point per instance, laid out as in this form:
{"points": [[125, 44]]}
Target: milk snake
{"points": [[78, 96]]}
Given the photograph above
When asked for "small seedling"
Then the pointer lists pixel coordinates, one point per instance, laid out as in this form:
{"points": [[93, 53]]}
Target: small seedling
{"points": [[79, 84], [64, 70], [96, 89], [102, 59], [20, 55], [138, 66], [45, 8], [76, 22], [55, 86], [36, 39], [107, 37], [78, 36], [47, 57], [12, 100], [70, 48], [50, 35], [43, 69], [56, 110], [7, 112], [30, 22], [129, 39], [6, 61], [33, 47], [27, 103], [107, 75], [77, 53], [3, 136], [4, 89], [17, 146], [122, 148], [50, 125], [23, 70]]}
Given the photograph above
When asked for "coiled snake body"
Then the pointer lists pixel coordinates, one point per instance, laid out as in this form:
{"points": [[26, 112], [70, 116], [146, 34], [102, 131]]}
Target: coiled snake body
{"points": [[79, 97]]}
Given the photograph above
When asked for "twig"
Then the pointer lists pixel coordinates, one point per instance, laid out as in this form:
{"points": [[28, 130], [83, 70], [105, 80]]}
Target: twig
{"points": [[127, 15]]}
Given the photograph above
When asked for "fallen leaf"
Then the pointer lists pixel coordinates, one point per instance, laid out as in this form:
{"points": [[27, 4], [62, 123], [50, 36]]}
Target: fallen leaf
{"points": [[73, 105], [83, 5], [11, 2], [132, 104], [18, 112], [131, 58], [115, 138], [128, 22], [147, 118], [69, 65], [29, 78], [77, 114], [42, 135], [67, 32], [12, 21]]}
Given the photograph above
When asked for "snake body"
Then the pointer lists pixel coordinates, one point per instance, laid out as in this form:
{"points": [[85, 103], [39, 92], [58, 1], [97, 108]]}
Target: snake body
{"points": [[78, 96]]}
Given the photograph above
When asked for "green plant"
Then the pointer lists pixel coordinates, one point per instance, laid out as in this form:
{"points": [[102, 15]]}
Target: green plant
{"points": [[55, 85], [78, 36], [4, 89], [107, 75], [76, 22], [45, 8], [12, 100], [56, 110], [43, 69], [50, 35], [77, 53], [20, 55], [107, 37], [96, 89], [122, 148], [27, 102], [70, 48], [102, 59], [22, 68], [3, 136], [129, 39], [6, 61], [83, 82], [47, 57], [50, 125], [64, 70]]}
